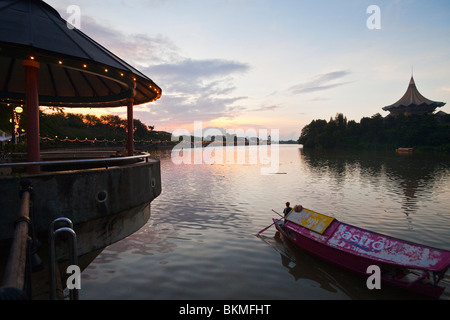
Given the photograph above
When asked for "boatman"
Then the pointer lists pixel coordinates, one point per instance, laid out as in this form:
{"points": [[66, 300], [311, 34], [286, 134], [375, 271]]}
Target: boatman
{"points": [[287, 209]]}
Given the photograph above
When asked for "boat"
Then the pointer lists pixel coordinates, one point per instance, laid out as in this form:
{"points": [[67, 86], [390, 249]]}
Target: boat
{"points": [[404, 264], [404, 150]]}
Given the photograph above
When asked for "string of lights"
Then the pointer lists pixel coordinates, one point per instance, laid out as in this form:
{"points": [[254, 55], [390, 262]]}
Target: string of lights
{"points": [[95, 140]]}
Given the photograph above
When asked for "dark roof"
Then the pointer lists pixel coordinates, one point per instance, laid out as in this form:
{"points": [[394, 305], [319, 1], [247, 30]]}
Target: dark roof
{"points": [[412, 97], [74, 69]]}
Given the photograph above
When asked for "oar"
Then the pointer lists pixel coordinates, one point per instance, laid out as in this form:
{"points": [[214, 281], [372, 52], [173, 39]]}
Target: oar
{"points": [[259, 233], [278, 214]]}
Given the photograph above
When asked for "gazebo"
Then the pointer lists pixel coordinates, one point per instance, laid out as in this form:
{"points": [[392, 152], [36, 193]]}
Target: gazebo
{"points": [[413, 102], [45, 61]]}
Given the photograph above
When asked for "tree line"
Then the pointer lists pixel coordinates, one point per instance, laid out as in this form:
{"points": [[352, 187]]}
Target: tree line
{"points": [[87, 126], [427, 132], [82, 126]]}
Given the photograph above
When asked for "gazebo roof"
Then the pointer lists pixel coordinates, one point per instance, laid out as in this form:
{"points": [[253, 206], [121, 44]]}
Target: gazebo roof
{"points": [[75, 71], [411, 98]]}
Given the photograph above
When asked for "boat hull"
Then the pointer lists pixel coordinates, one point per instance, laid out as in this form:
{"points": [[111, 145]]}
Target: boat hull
{"points": [[355, 263]]}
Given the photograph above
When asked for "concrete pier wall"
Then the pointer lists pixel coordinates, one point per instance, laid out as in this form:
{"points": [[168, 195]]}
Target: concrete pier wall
{"points": [[84, 196]]}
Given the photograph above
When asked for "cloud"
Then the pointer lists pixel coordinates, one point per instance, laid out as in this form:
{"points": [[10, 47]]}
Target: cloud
{"points": [[193, 89], [318, 99], [196, 90], [446, 89], [174, 110], [321, 82], [199, 69], [266, 108], [138, 49]]}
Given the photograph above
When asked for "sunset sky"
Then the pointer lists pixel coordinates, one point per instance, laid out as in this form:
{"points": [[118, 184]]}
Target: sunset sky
{"points": [[272, 64]]}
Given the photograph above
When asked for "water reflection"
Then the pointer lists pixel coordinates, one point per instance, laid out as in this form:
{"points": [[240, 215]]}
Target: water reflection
{"points": [[301, 265], [409, 176], [200, 243], [337, 281]]}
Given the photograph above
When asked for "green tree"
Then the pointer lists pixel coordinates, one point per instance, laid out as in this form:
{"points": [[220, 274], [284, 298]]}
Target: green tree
{"points": [[418, 131]]}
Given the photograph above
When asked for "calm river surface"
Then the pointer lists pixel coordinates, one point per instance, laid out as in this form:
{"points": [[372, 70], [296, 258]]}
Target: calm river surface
{"points": [[199, 243]]}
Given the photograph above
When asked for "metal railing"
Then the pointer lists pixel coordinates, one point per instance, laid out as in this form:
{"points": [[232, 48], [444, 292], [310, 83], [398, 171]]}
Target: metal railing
{"points": [[73, 255], [106, 161]]}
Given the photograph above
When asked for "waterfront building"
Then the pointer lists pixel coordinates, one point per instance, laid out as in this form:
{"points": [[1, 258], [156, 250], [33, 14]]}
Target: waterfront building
{"points": [[413, 102]]}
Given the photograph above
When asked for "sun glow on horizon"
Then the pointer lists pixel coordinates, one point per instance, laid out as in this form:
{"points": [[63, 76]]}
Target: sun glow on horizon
{"points": [[284, 65]]}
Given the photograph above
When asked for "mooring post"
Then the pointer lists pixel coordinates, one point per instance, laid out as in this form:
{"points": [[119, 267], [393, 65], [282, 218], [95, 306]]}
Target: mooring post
{"points": [[15, 269]]}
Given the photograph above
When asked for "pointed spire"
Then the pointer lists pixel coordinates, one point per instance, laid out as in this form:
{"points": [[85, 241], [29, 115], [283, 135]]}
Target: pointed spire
{"points": [[412, 76], [413, 101]]}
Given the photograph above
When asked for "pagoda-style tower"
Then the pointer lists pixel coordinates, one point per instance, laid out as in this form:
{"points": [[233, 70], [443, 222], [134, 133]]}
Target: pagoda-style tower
{"points": [[413, 103]]}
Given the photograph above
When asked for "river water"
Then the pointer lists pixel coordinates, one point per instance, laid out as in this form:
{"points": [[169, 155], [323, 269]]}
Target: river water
{"points": [[200, 242]]}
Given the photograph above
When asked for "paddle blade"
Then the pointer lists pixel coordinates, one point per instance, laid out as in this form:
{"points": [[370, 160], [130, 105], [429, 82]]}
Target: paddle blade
{"points": [[259, 233], [264, 229]]}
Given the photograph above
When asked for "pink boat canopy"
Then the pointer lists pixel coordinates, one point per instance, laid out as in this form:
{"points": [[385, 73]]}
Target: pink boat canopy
{"points": [[387, 249]]}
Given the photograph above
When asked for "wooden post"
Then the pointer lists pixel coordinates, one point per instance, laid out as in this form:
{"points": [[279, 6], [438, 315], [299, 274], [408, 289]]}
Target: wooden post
{"points": [[32, 106], [130, 127], [15, 269], [13, 126]]}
